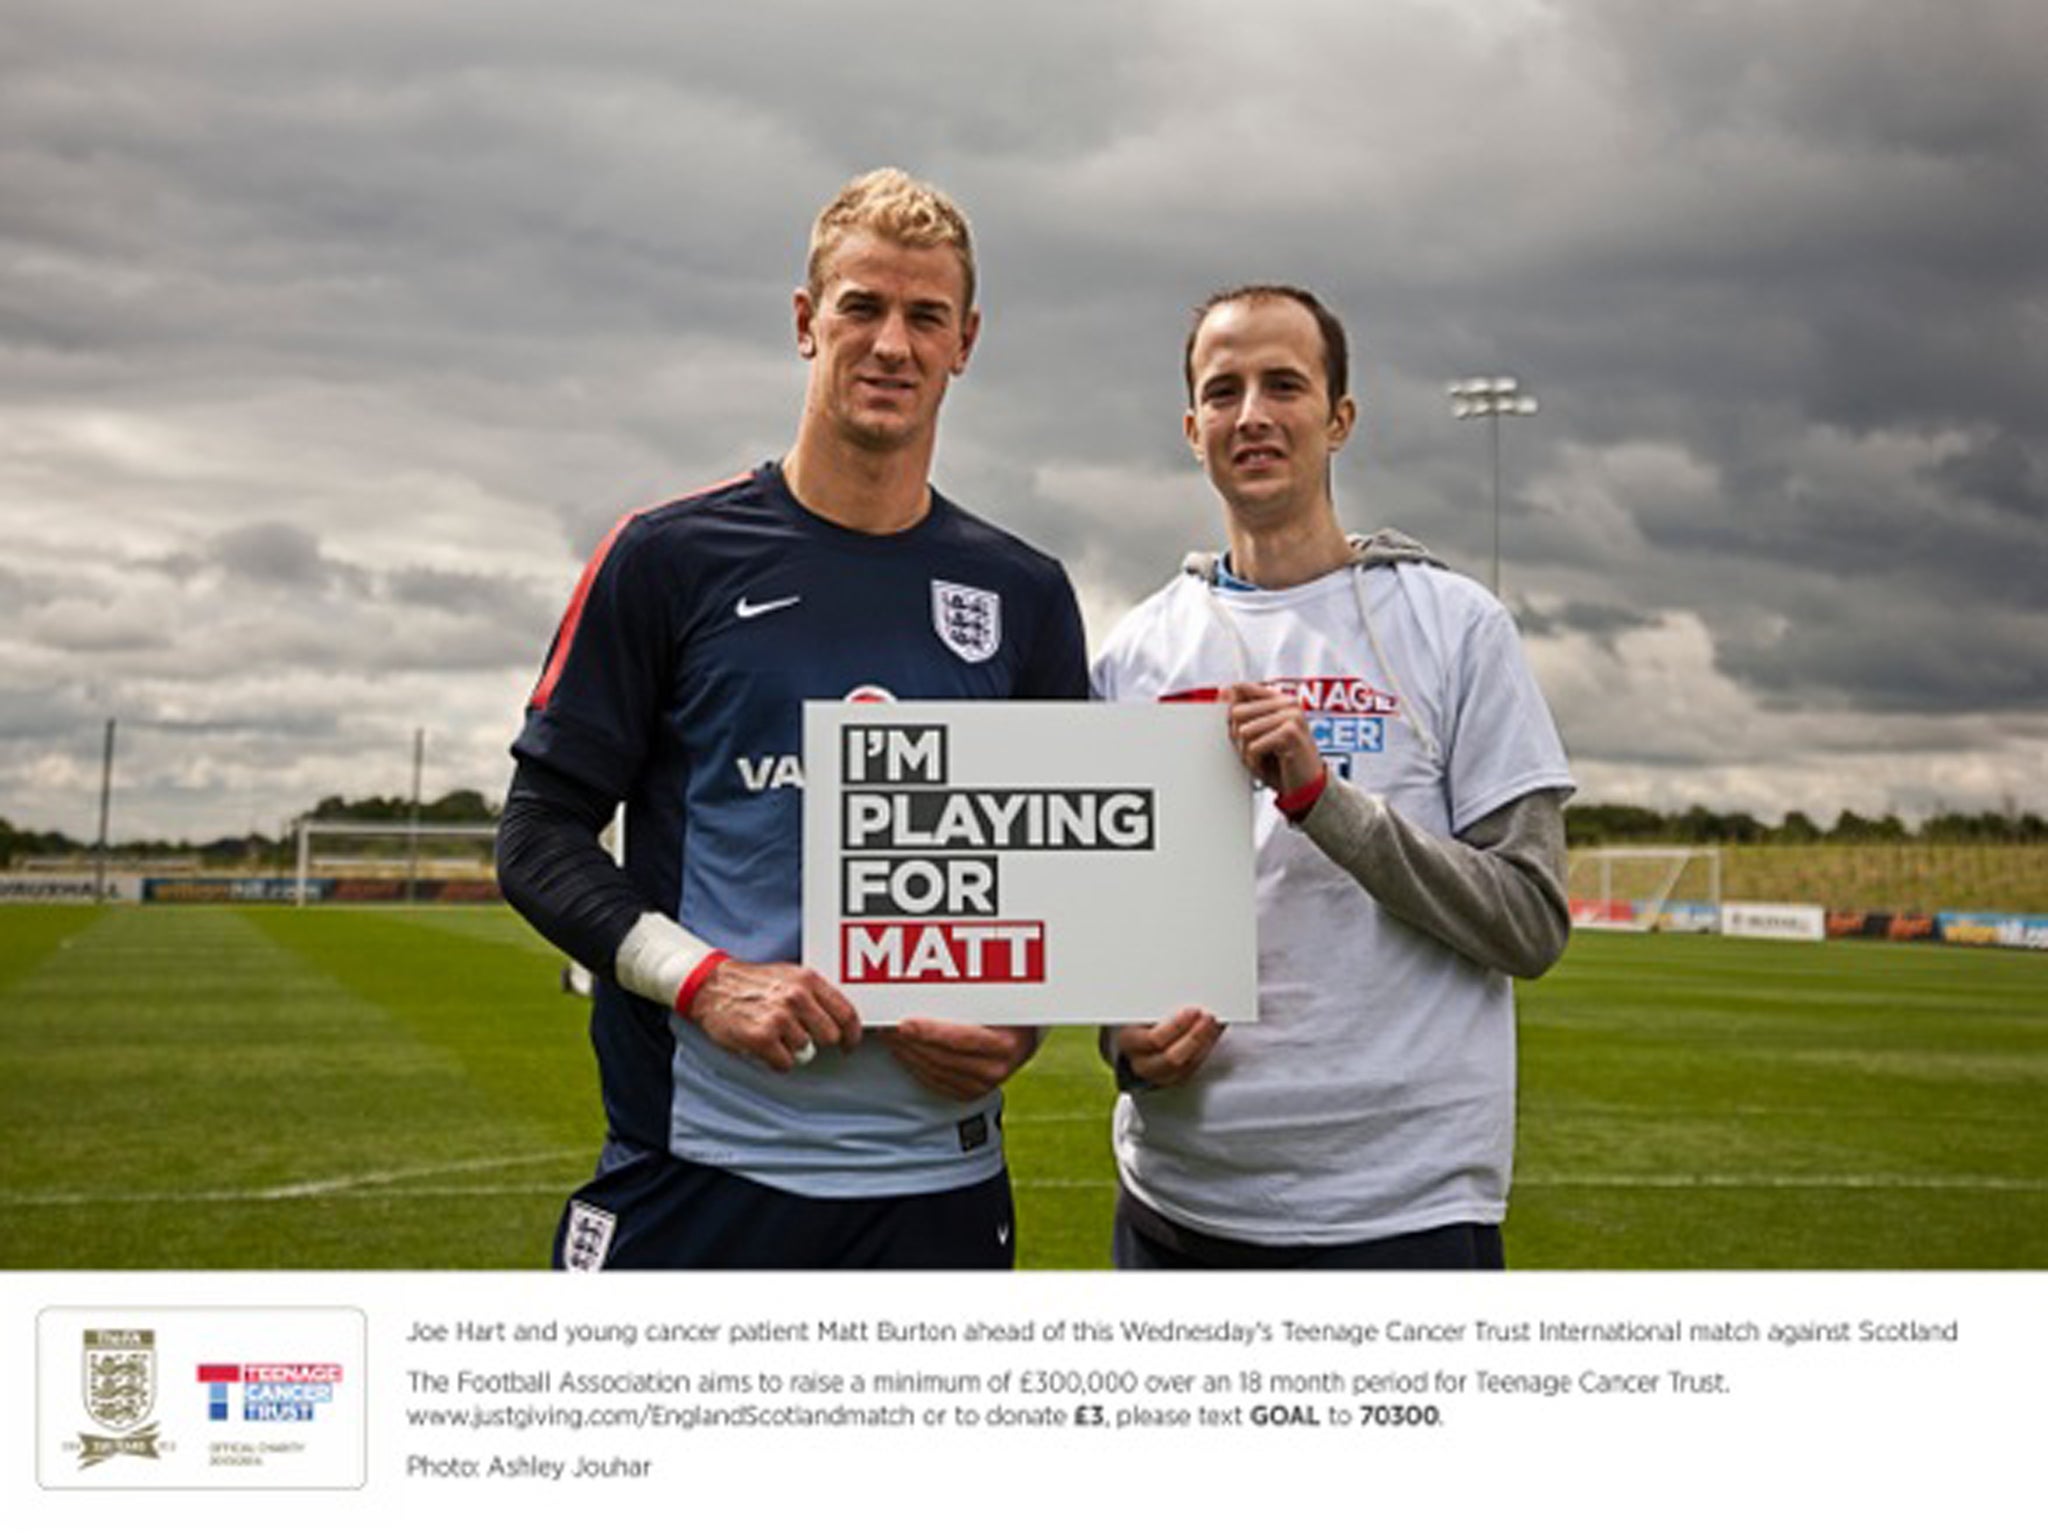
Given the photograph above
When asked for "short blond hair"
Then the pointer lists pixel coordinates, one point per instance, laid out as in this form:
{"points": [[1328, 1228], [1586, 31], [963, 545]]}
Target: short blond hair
{"points": [[896, 206]]}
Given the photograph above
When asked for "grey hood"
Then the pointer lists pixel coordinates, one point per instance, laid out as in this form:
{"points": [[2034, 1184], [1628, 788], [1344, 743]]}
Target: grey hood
{"points": [[1390, 546]]}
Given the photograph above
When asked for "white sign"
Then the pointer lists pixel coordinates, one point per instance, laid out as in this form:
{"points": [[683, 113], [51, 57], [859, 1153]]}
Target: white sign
{"points": [[55, 887], [1028, 863], [1773, 920]]}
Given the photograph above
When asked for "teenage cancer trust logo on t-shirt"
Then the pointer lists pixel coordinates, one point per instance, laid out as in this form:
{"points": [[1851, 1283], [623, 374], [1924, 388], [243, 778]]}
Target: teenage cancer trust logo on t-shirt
{"points": [[1347, 716]]}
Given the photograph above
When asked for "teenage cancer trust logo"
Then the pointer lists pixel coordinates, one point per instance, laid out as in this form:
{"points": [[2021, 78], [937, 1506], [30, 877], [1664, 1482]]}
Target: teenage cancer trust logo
{"points": [[268, 1394], [120, 1395]]}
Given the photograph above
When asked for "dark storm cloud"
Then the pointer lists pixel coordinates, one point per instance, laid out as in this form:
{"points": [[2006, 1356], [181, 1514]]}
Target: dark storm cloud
{"points": [[1604, 622], [2006, 474], [467, 594], [1915, 654], [40, 715], [275, 554], [298, 727]]}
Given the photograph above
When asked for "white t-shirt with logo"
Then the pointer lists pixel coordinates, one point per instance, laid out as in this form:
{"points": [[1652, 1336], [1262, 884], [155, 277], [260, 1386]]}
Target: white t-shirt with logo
{"points": [[1375, 1093]]}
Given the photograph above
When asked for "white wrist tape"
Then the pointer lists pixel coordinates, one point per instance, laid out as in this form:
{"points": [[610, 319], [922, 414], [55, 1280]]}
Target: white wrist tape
{"points": [[657, 956]]}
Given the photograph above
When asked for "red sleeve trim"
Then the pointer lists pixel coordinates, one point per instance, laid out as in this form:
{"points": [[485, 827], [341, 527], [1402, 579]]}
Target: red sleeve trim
{"points": [[565, 636], [686, 994], [1297, 803]]}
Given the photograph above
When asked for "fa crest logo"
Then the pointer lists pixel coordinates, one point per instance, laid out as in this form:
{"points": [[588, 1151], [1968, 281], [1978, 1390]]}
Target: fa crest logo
{"points": [[120, 1393], [968, 619], [588, 1240], [120, 1376]]}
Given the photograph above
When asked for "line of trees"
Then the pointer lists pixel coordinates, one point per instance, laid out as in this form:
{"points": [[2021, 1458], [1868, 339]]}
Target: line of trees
{"points": [[461, 807], [18, 842], [1588, 825]]}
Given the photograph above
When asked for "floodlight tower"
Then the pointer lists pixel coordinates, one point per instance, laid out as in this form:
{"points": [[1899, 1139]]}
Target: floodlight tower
{"points": [[1492, 398]]}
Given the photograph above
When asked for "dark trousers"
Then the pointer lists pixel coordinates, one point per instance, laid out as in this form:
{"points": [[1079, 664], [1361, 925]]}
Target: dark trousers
{"points": [[1144, 1239], [648, 1210]]}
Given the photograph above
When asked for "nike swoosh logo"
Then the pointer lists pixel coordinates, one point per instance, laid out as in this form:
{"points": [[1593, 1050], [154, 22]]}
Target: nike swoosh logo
{"points": [[1003, 1236], [747, 609]]}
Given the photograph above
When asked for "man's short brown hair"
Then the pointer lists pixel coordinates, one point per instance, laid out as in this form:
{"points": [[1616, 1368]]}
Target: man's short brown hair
{"points": [[896, 206], [1336, 350]]}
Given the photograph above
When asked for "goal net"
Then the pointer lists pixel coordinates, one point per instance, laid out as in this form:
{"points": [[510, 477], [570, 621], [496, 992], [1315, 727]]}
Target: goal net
{"points": [[1646, 889], [394, 861]]}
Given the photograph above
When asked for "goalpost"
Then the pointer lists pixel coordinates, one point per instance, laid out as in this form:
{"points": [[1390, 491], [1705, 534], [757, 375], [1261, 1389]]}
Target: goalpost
{"points": [[1644, 889], [413, 834]]}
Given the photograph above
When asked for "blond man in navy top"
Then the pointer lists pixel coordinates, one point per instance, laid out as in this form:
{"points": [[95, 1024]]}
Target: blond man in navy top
{"points": [[751, 1120]]}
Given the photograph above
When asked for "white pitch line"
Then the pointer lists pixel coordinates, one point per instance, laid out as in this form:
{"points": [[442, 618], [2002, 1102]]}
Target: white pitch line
{"points": [[1987, 1183], [319, 1187], [354, 1186], [379, 1186]]}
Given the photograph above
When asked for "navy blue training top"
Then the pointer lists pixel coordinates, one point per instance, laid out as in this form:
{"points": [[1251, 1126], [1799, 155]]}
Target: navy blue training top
{"points": [[676, 685]]}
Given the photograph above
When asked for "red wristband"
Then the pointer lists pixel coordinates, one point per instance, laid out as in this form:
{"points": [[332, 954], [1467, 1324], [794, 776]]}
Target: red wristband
{"points": [[1297, 803], [687, 992]]}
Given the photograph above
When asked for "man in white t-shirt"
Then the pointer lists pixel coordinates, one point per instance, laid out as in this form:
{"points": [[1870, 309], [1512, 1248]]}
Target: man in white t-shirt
{"points": [[1410, 852]]}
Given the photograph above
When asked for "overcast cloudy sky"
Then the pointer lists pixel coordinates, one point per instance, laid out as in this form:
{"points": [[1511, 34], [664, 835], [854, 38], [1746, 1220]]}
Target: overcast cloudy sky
{"points": [[332, 337]]}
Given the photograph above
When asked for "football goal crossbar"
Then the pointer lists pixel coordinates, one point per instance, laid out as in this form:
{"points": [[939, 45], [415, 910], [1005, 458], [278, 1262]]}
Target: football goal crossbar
{"points": [[412, 833], [1649, 877]]}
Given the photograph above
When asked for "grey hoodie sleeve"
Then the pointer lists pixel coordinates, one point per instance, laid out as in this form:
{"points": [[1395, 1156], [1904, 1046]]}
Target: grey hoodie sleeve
{"points": [[1495, 893]]}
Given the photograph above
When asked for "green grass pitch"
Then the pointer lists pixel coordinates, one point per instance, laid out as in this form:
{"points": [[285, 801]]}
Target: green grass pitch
{"points": [[227, 1088]]}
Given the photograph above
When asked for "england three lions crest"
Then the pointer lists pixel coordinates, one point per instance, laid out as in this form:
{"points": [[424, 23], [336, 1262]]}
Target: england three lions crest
{"points": [[968, 619], [120, 1394]]}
